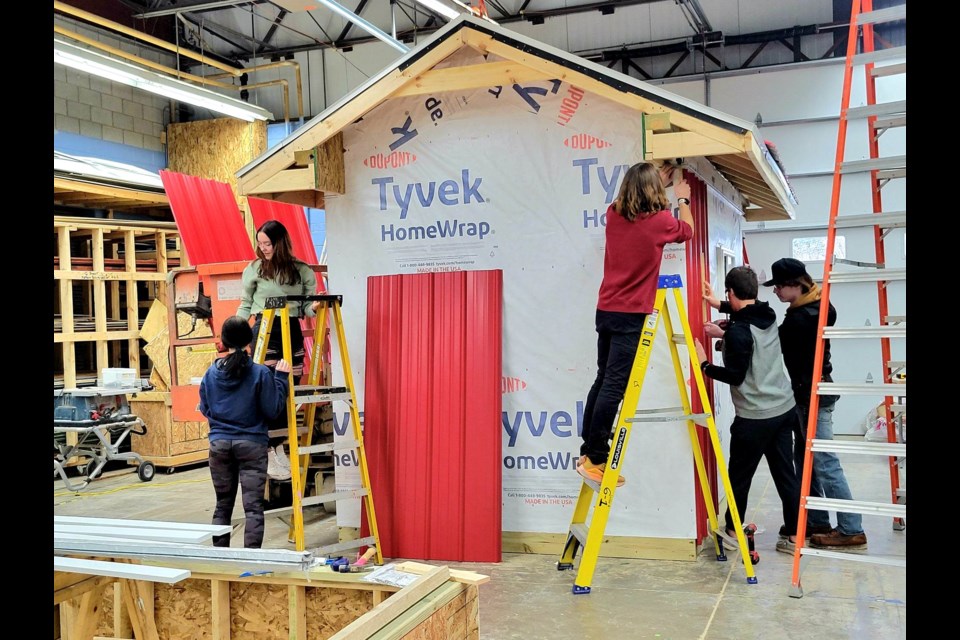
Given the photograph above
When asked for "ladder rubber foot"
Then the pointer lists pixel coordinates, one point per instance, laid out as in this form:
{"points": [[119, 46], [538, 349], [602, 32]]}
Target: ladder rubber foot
{"points": [[795, 592], [564, 566], [579, 591], [752, 580]]}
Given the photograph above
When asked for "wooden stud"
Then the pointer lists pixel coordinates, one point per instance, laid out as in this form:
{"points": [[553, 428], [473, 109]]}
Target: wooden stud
{"points": [[99, 299], [66, 313], [298, 612], [160, 238], [466, 577], [138, 601], [121, 619], [88, 613], [658, 122], [476, 76], [684, 144], [133, 302], [77, 589], [316, 134], [220, 603]]}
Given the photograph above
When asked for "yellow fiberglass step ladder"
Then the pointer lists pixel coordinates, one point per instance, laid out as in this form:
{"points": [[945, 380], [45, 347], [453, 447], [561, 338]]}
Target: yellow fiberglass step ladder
{"points": [[590, 535], [309, 396], [880, 118]]}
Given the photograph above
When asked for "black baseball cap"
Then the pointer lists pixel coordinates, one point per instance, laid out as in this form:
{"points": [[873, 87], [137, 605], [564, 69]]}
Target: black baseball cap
{"points": [[786, 270]]}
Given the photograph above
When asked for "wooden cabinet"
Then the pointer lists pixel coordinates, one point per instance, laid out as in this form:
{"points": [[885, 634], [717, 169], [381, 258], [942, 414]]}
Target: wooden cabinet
{"points": [[168, 442]]}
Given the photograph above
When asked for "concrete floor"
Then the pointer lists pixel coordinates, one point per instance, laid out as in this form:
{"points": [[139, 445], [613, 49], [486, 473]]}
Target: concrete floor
{"points": [[631, 599]]}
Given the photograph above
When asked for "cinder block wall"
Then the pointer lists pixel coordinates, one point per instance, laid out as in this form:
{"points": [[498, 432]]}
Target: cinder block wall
{"points": [[96, 108]]}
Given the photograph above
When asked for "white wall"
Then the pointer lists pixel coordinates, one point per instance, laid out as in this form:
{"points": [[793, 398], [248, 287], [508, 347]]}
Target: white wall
{"points": [[799, 93], [103, 110]]}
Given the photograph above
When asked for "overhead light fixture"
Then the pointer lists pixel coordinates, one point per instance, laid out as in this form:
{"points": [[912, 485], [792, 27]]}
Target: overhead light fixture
{"points": [[103, 66], [438, 7]]}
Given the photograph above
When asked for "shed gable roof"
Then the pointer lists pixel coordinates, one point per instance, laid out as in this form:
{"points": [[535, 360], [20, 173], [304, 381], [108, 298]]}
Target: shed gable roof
{"points": [[677, 127]]}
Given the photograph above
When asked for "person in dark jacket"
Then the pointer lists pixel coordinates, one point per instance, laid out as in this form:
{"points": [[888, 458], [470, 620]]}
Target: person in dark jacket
{"points": [[798, 339], [763, 402], [238, 397]]}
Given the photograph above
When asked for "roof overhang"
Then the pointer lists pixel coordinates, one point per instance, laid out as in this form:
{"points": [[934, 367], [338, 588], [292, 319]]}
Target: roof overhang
{"points": [[676, 127]]}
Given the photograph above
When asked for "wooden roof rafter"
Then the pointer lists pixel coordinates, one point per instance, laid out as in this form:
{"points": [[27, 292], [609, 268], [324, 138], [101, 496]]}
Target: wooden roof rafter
{"points": [[676, 127]]}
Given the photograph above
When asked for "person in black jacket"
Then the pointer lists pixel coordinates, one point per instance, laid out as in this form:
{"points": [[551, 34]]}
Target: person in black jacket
{"points": [[238, 397], [765, 410], [798, 339]]}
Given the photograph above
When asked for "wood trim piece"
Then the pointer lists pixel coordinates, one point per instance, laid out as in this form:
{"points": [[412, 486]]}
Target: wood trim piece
{"points": [[476, 76], [368, 624], [119, 570], [362, 103], [466, 577]]}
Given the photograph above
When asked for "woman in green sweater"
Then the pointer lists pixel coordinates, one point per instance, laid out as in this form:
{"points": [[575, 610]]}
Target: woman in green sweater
{"points": [[277, 272]]}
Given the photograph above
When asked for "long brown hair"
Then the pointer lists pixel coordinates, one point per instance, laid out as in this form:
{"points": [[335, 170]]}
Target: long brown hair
{"points": [[282, 267], [641, 193]]}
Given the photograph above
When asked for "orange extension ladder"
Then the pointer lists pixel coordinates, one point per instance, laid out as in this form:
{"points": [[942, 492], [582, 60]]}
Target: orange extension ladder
{"points": [[880, 117]]}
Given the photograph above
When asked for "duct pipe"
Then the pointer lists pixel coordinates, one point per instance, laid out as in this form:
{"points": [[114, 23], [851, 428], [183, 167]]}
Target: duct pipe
{"points": [[157, 42]]}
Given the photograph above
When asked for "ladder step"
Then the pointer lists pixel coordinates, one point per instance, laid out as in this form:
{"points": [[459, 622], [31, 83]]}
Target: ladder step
{"points": [[894, 561], [896, 320], [863, 389], [312, 500], [890, 14], [857, 506], [311, 395], [883, 331], [889, 70], [346, 545], [891, 163], [893, 122], [884, 220], [888, 449], [877, 109], [901, 493], [580, 532], [279, 433], [698, 418], [891, 53], [338, 445], [898, 408], [874, 275]]}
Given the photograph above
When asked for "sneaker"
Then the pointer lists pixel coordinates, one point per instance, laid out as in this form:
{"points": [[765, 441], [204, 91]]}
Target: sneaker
{"points": [[282, 458], [275, 470], [837, 540], [785, 546], [594, 472], [823, 528]]}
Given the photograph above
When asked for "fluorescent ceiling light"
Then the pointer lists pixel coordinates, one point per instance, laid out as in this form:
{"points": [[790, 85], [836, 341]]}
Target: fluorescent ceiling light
{"points": [[106, 67], [442, 9], [350, 16]]}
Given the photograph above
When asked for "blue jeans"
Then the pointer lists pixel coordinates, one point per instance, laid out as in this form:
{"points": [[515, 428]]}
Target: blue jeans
{"points": [[827, 479]]}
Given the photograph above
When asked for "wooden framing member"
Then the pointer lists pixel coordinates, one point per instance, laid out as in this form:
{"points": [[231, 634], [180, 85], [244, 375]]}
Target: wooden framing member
{"points": [[96, 265], [476, 76], [324, 605], [252, 182]]}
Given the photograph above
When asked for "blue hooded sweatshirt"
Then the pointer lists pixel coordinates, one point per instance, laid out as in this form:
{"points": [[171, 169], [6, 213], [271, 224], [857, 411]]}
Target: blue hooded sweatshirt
{"points": [[238, 408]]}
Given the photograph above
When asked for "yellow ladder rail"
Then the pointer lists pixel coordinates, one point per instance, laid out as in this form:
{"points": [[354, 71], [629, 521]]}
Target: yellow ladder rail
{"points": [[589, 535]]}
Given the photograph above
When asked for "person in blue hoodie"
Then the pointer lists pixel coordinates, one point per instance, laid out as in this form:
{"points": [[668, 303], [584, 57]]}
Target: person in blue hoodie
{"points": [[238, 397], [763, 402]]}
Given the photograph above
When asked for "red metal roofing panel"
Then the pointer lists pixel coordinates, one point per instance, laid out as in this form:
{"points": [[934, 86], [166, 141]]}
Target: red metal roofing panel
{"points": [[210, 224], [293, 217], [432, 415]]}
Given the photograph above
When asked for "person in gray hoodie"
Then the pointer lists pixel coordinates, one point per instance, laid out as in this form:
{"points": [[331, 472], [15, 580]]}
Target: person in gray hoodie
{"points": [[238, 397], [763, 400]]}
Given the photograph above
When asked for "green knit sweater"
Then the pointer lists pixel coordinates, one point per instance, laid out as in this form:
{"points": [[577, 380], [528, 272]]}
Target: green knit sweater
{"points": [[256, 290]]}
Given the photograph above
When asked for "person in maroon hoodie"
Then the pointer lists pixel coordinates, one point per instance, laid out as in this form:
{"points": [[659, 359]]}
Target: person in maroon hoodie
{"points": [[638, 225]]}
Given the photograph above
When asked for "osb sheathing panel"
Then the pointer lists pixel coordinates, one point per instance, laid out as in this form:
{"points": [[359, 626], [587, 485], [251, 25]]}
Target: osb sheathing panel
{"points": [[216, 149], [257, 611], [191, 362]]}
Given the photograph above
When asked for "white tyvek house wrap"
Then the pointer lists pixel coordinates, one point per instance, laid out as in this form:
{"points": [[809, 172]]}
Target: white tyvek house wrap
{"points": [[514, 178]]}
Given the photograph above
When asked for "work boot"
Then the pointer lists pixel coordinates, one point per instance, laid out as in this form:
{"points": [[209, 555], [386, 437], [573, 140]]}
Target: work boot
{"points": [[839, 541]]}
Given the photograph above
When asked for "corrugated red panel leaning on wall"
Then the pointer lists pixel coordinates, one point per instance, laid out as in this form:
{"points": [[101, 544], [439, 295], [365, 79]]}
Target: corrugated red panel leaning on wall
{"points": [[432, 414]]}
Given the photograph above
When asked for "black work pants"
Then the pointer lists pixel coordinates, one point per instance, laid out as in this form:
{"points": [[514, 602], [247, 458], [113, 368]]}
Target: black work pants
{"points": [[243, 463], [618, 335], [771, 438]]}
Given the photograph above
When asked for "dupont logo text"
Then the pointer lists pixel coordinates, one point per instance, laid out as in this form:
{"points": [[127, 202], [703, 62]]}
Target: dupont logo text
{"points": [[586, 141], [393, 160], [509, 385]]}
